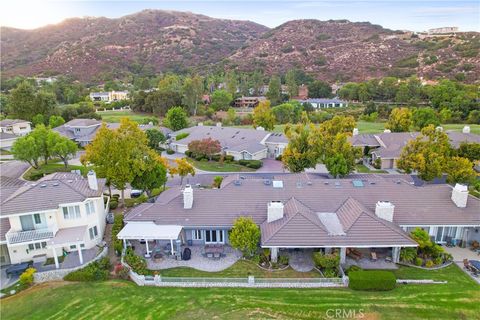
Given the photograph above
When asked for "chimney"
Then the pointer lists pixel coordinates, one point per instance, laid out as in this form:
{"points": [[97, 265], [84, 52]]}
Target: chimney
{"points": [[219, 124], [92, 180], [460, 195], [188, 197], [466, 129], [384, 210], [355, 131], [274, 211], [260, 128]]}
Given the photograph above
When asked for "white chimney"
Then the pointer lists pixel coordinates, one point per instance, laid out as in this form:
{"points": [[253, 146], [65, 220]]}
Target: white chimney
{"points": [[460, 195], [219, 124], [384, 210], [92, 180], [387, 131], [355, 131], [188, 197], [466, 129], [274, 211]]}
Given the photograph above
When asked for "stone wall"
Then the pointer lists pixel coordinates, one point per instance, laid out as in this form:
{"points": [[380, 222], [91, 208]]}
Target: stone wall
{"points": [[58, 274]]}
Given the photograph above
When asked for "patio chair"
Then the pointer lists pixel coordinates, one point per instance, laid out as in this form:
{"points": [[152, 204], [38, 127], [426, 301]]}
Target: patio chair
{"points": [[466, 265], [216, 255], [210, 255]]}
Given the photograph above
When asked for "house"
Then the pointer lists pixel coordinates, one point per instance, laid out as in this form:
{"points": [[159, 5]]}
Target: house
{"points": [[110, 96], [15, 126], [325, 103], [248, 144], [387, 146], [443, 30], [83, 131], [62, 212], [305, 211], [248, 102]]}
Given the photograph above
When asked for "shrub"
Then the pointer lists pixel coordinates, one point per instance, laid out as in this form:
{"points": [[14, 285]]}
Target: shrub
{"points": [[138, 264], [229, 158], [95, 271], [372, 280], [217, 181], [122, 272], [279, 158], [200, 157], [429, 264], [113, 204], [170, 151], [326, 261], [329, 273], [26, 278], [352, 268], [188, 153], [418, 261], [117, 226], [438, 261], [408, 254], [283, 260], [245, 236], [255, 164], [181, 136]]}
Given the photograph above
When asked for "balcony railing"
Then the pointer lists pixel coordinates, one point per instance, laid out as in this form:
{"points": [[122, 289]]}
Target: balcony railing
{"points": [[27, 236]]}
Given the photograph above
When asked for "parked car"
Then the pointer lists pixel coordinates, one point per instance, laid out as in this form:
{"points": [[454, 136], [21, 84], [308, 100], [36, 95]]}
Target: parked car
{"points": [[109, 218], [136, 193]]}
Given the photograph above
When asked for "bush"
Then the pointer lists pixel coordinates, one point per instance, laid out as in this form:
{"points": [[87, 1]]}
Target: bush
{"points": [[138, 264], [429, 264], [122, 272], [279, 158], [217, 181], [170, 151], [326, 261], [254, 164], [117, 226], [188, 153], [283, 260], [181, 136], [329, 273], [372, 280], [352, 268], [95, 271], [229, 158], [26, 278], [200, 157], [418, 261], [438, 261], [113, 204]]}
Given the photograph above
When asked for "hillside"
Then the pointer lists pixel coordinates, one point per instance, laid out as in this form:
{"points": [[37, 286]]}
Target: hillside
{"points": [[152, 41]]}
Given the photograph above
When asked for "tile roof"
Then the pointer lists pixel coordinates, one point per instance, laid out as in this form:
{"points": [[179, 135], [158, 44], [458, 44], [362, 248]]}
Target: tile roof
{"points": [[83, 123], [10, 122], [426, 205], [49, 192]]}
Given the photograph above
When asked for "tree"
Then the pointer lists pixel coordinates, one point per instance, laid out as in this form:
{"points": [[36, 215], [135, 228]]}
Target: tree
{"points": [[459, 170], [22, 101], [300, 153], [263, 116], [421, 237], [284, 113], [400, 120], [155, 137], [274, 93], [207, 147], [38, 119], [192, 93], [319, 89], [220, 100], [427, 154], [257, 82], [425, 116], [245, 236], [176, 119], [183, 169], [154, 175], [44, 140], [291, 82], [62, 147], [471, 151], [55, 121], [26, 149], [474, 117], [231, 83]]}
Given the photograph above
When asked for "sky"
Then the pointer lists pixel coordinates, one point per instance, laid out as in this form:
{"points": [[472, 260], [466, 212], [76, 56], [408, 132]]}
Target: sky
{"points": [[398, 15]]}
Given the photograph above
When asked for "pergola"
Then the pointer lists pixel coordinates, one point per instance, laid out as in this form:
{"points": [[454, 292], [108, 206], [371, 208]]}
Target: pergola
{"points": [[66, 237], [149, 231]]}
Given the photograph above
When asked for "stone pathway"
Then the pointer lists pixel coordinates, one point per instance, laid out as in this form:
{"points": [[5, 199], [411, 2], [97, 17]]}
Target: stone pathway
{"points": [[301, 260]]}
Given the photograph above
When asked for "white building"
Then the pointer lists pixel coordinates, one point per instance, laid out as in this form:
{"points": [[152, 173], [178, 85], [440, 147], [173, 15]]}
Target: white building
{"points": [[15, 126]]}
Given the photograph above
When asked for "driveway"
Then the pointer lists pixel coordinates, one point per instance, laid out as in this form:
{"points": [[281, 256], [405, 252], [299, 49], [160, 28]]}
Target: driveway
{"points": [[271, 165], [13, 169]]}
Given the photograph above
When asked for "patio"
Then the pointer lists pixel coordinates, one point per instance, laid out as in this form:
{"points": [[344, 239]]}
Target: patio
{"points": [[71, 260], [198, 259], [379, 258], [301, 260]]}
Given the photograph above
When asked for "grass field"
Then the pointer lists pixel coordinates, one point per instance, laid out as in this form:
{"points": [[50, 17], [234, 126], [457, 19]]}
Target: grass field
{"points": [[115, 116], [459, 299], [218, 167]]}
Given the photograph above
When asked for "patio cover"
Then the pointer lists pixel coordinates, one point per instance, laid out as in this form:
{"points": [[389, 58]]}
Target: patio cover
{"points": [[69, 235], [149, 231]]}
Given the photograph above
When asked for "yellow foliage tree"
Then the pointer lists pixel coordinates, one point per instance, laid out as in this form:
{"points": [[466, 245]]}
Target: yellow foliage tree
{"points": [[400, 120], [183, 169], [263, 116]]}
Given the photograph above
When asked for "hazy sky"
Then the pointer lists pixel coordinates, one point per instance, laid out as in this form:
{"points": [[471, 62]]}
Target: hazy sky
{"points": [[406, 14]]}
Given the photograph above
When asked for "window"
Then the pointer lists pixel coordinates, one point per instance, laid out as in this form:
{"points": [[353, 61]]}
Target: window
{"points": [[197, 235], [93, 232], [72, 212], [37, 246], [37, 218], [73, 247], [90, 207], [77, 129], [214, 236]]}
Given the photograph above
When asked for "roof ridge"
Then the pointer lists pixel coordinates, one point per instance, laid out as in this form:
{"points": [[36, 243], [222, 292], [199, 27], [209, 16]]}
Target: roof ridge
{"points": [[362, 207], [387, 224]]}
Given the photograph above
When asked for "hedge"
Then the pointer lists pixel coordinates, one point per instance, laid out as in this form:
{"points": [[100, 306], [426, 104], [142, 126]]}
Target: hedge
{"points": [[117, 226], [372, 280]]}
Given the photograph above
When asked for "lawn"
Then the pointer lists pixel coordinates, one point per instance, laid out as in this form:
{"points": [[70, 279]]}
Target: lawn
{"points": [[458, 299], [218, 167], [241, 269], [35, 174], [361, 168], [115, 116]]}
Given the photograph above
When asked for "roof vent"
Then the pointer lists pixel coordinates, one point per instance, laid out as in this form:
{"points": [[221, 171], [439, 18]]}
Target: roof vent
{"points": [[43, 185], [55, 184], [372, 182], [267, 182], [299, 184], [337, 184], [398, 181], [243, 177], [309, 183], [326, 183], [237, 182]]}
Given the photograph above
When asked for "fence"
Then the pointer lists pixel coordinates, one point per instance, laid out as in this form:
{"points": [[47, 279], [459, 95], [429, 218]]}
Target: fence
{"points": [[58, 274]]}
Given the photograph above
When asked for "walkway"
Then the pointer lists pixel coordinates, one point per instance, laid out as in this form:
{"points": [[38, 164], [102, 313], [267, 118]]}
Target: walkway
{"points": [[459, 254], [301, 260], [365, 263]]}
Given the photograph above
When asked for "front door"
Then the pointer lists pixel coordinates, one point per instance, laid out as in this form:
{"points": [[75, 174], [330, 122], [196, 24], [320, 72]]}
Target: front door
{"points": [[214, 236], [27, 223]]}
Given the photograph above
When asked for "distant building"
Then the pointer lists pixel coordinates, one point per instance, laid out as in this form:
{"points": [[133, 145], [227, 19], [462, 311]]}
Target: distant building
{"points": [[47, 80], [15, 126], [302, 92], [248, 102], [443, 30], [325, 103], [109, 96]]}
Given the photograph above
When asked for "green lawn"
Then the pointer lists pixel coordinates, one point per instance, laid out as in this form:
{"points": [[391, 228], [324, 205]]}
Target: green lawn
{"points": [[370, 127], [361, 168], [241, 269], [35, 174], [459, 299], [115, 116], [218, 167]]}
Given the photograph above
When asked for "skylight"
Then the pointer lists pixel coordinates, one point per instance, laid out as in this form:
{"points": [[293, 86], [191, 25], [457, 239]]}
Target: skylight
{"points": [[277, 183], [357, 183]]}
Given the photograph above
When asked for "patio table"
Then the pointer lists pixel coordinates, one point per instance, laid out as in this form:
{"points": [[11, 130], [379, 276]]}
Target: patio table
{"points": [[213, 249]]}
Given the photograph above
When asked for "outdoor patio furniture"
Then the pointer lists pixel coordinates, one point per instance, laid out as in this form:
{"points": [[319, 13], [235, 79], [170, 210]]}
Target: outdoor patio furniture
{"points": [[209, 255], [354, 254], [475, 264], [187, 254], [157, 257], [374, 256], [216, 255]]}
